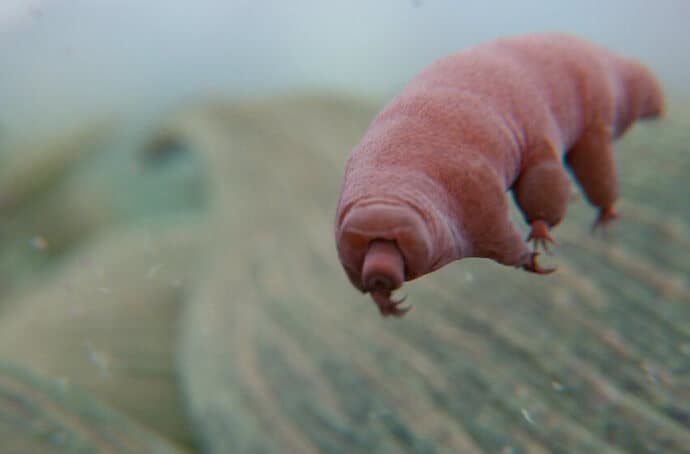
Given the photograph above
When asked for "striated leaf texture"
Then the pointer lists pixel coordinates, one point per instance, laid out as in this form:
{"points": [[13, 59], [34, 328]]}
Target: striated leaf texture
{"points": [[278, 353], [38, 415], [106, 321]]}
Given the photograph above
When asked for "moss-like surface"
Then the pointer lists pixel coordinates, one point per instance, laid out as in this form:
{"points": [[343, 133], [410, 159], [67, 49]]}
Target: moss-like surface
{"points": [[279, 353], [238, 325], [40, 415]]}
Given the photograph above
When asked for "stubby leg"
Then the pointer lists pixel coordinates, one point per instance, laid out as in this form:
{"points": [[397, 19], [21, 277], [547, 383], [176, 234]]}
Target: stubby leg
{"points": [[504, 243], [593, 164], [487, 221], [542, 192]]}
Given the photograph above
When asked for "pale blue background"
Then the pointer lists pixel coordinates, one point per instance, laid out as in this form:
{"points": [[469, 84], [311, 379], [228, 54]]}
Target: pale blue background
{"points": [[63, 60]]}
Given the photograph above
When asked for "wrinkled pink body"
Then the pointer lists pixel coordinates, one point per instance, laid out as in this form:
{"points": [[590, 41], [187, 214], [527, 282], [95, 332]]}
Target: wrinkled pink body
{"points": [[433, 170]]}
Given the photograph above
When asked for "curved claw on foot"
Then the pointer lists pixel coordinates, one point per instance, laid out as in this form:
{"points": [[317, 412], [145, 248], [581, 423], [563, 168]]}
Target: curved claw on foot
{"points": [[534, 267], [390, 307], [540, 237], [606, 215]]}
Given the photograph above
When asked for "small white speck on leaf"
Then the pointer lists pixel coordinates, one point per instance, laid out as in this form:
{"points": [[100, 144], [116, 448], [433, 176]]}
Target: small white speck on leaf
{"points": [[557, 386], [527, 416]]}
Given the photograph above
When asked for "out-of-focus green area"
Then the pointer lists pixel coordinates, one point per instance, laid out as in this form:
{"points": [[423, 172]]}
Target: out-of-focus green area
{"points": [[181, 286]]}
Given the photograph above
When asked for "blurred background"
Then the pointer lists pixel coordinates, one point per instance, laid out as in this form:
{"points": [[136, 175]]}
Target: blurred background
{"points": [[63, 60], [169, 172]]}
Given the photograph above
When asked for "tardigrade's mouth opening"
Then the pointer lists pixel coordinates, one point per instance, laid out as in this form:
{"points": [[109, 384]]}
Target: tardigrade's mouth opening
{"points": [[383, 271], [400, 225]]}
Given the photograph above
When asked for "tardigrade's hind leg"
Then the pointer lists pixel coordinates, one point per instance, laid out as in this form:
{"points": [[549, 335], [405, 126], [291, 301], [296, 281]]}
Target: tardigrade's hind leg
{"points": [[593, 164], [542, 192]]}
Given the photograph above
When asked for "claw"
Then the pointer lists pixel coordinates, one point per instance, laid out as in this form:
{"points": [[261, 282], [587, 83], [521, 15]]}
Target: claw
{"points": [[534, 267], [540, 237], [390, 307], [400, 300], [606, 215]]}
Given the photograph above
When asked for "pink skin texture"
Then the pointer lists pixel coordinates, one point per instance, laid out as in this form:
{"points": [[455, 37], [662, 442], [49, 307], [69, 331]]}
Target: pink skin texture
{"points": [[428, 183]]}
